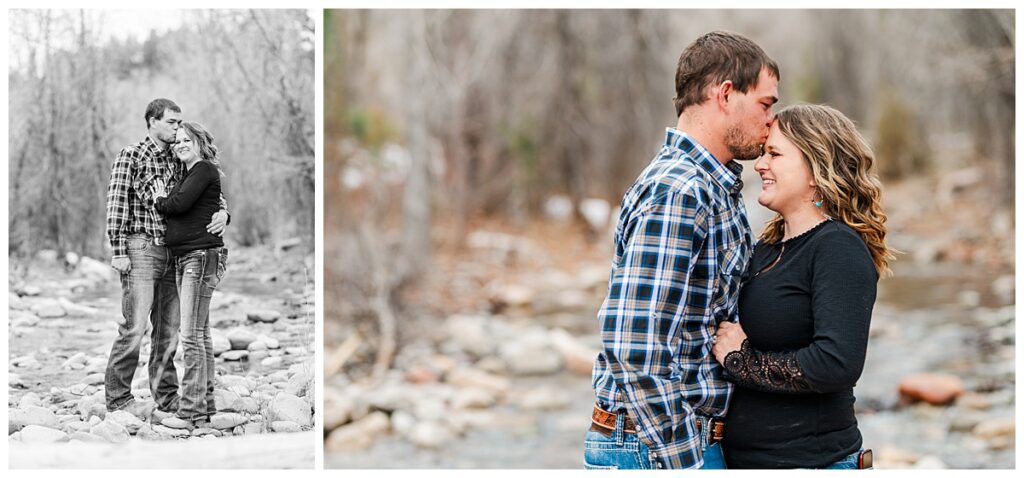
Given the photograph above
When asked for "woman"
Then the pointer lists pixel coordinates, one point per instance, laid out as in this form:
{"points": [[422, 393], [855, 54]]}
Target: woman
{"points": [[805, 306], [200, 258]]}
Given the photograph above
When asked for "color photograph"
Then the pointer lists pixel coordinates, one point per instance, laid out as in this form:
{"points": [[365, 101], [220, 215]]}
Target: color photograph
{"points": [[632, 239]]}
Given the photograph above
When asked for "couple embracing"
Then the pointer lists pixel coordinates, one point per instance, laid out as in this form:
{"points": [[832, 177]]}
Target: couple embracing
{"points": [[165, 217], [719, 352]]}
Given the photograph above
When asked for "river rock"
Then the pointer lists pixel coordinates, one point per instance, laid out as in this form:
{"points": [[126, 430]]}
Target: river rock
{"points": [[30, 400], [224, 399], [147, 433], [163, 431], [111, 431], [467, 377], [263, 315], [228, 381], [130, 422], [256, 346], [930, 462], [234, 355], [28, 362], [199, 432], [245, 405], [932, 388], [220, 341], [14, 381], [86, 437], [94, 379], [35, 434], [285, 427], [76, 359], [474, 398], [430, 434], [75, 309], [338, 408], [32, 415], [270, 342], [31, 291], [531, 354], [75, 426], [471, 333], [578, 358], [272, 362], [48, 308], [299, 384], [223, 421], [240, 338], [543, 398], [513, 296], [286, 407], [995, 428], [22, 319], [358, 435]]}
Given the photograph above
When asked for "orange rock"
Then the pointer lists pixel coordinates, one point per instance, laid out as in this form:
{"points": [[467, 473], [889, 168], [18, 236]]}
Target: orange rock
{"points": [[420, 375], [933, 388]]}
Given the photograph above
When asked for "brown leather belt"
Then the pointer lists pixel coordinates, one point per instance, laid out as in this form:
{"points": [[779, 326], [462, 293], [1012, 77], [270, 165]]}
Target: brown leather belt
{"points": [[604, 423]]}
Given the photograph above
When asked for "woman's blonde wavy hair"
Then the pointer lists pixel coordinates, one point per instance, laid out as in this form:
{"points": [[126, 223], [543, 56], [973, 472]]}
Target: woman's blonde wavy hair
{"points": [[842, 165]]}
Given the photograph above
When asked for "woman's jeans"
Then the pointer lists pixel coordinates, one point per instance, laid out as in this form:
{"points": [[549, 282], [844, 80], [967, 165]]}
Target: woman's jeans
{"points": [[199, 272], [851, 462], [625, 451]]}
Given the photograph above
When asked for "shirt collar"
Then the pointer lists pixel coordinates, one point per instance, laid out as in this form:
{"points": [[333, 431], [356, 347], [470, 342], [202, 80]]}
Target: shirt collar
{"points": [[154, 147], [726, 175]]}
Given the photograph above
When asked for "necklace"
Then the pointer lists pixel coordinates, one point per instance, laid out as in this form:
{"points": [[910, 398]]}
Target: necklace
{"points": [[782, 250]]}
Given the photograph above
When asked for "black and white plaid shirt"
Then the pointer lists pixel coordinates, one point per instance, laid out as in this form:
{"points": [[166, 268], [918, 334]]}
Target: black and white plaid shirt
{"points": [[130, 207]]}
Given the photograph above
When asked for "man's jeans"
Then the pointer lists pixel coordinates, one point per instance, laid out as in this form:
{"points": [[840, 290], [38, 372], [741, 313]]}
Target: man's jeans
{"points": [[147, 291], [199, 272], [625, 451]]}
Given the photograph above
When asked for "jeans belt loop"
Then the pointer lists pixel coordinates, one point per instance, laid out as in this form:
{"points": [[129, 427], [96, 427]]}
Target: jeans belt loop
{"points": [[620, 427]]}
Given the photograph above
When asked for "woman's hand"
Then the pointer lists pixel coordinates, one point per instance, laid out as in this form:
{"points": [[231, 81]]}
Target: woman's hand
{"points": [[729, 338], [159, 189]]}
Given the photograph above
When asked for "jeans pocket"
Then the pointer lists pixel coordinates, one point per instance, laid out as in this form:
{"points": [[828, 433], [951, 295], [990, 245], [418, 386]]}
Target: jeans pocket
{"points": [[138, 245], [588, 466], [222, 263]]}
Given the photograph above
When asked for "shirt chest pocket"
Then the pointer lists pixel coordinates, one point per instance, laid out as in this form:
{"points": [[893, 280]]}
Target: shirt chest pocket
{"points": [[732, 246]]}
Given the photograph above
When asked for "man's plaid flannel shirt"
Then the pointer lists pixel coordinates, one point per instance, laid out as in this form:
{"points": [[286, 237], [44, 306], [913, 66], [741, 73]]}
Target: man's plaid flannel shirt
{"points": [[130, 208], [682, 244]]}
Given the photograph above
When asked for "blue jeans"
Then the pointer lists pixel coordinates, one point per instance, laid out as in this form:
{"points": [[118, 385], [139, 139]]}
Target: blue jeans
{"points": [[198, 273], [147, 291], [848, 463], [625, 451]]}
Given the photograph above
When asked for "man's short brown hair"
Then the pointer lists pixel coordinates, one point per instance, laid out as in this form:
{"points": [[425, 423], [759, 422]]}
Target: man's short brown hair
{"points": [[717, 57]]}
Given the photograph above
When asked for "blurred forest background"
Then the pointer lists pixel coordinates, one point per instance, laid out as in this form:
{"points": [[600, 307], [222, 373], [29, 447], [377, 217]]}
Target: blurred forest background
{"points": [[473, 164], [78, 94]]}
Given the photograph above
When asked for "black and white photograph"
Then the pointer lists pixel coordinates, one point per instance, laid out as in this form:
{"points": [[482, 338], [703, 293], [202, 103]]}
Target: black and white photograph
{"points": [[161, 255]]}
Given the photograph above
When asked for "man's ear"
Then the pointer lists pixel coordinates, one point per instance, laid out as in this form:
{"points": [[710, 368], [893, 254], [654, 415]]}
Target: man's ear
{"points": [[723, 92]]}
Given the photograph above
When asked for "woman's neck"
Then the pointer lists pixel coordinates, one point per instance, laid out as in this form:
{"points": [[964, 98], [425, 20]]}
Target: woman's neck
{"points": [[189, 164], [801, 220]]}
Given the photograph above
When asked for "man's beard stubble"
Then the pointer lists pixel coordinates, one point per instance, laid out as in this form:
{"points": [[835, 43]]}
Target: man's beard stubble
{"points": [[740, 147]]}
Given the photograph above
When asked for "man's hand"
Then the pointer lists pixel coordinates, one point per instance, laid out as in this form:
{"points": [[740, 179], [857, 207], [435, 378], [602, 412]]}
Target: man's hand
{"points": [[729, 338], [217, 224], [121, 264]]}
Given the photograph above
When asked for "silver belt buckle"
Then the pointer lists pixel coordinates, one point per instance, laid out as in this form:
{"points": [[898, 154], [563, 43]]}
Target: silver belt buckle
{"points": [[158, 241]]}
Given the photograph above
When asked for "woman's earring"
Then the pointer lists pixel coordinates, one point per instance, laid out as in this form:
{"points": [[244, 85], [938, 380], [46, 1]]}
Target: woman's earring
{"points": [[818, 203]]}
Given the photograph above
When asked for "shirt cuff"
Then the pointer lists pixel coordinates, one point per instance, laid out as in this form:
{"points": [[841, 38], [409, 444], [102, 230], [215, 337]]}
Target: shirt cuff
{"points": [[120, 248]]}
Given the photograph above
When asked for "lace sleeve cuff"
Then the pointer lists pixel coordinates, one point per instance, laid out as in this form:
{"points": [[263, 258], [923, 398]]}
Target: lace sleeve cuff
{"points": [[765, 371]]}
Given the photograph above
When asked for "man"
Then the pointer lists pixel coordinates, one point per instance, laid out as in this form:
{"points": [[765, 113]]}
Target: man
{"points": [[148, 288], [681, 244]]}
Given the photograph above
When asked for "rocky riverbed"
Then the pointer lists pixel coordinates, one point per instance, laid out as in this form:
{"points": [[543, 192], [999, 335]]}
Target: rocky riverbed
{"points": [[63, 320], [508, 384]]}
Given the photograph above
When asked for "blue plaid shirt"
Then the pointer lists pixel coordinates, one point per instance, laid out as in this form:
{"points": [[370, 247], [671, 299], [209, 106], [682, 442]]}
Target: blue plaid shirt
{"points": [[682, 244]]}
